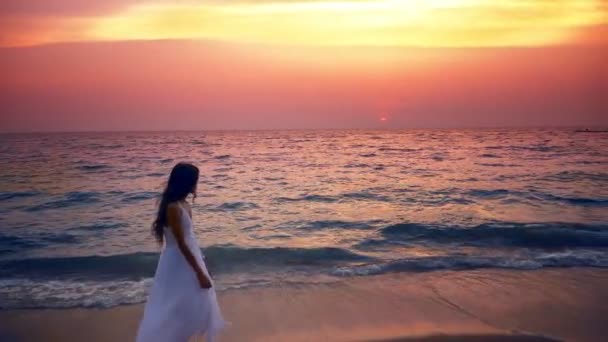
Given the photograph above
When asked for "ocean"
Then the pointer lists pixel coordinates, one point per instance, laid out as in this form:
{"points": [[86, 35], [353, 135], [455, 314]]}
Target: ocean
{"points": [[286, 208]]}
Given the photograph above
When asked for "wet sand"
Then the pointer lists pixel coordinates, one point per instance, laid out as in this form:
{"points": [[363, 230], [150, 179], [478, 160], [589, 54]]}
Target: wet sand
{"points": [[472, 338], [488, 305]]}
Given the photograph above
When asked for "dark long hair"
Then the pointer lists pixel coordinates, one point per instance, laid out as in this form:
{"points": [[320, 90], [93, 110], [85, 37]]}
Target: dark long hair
{"points": [[182, 182]]}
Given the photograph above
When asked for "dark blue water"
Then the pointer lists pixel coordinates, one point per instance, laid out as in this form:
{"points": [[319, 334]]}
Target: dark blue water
{"points": [[291, 207]]}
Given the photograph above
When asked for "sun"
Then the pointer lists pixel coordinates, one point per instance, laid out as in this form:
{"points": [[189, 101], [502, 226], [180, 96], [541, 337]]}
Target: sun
{"points": [[384, 118]]}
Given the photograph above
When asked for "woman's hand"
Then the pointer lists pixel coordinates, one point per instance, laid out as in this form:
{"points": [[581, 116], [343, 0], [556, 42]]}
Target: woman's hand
{"points": [[204, 281]]}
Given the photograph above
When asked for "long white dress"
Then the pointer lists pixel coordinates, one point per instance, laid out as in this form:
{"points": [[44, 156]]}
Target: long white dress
{"points": [[178, 308]]}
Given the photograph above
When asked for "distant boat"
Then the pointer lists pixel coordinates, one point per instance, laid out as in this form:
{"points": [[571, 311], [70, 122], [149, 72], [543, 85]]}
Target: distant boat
{"points": [[587, 130]]}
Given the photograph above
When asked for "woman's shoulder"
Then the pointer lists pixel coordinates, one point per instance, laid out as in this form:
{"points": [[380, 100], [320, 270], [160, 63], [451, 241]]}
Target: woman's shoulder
{"points": [[174, 207], [177, 205]]}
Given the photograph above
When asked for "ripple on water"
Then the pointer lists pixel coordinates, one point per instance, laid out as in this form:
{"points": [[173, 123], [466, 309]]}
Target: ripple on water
{"points": [[8, 195], [237, 206], [76, 208], [70, 199]]}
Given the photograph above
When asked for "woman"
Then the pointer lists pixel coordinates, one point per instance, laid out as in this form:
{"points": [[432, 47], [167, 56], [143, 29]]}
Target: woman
{"points": [[182, 303]]}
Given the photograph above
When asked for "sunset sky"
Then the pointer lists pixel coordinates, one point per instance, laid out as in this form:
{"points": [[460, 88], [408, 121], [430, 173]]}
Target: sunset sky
{"points": [[158, 64]]}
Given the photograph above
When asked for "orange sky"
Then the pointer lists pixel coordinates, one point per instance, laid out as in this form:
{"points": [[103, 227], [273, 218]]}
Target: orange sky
{"points": [[158, 64], [436, 23]]}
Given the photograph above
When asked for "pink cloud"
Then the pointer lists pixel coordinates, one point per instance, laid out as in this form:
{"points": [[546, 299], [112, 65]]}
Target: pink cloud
{"points": [[62, 7]]}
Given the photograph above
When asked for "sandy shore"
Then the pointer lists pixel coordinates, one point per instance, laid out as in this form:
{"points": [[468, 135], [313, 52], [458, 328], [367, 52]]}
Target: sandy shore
{"points": [[489, 305]]}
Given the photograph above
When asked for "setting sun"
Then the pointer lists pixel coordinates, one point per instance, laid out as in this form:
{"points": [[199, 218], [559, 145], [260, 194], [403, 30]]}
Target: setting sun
{"points": [[308, 170]]}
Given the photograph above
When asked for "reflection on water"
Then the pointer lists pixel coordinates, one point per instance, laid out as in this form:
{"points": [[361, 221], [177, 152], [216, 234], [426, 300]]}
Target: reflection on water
{"points": [[332, 202]]}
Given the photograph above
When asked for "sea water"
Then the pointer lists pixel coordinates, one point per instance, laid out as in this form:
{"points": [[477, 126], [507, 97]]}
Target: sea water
{"points": [[283, 208]]}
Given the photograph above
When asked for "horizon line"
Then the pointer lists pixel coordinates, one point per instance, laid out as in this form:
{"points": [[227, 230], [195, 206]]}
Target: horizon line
{"points": [[595, 127]]}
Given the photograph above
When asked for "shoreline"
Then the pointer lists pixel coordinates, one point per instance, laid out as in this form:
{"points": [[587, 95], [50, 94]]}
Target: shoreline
{"points": [[485, 305], [471, 338]]}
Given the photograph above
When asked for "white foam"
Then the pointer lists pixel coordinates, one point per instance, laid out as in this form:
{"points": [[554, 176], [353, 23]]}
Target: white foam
{"points": [[25, 293]]}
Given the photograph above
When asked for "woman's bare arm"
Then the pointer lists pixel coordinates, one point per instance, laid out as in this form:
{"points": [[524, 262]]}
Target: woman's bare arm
{"points": [[175, 223]]}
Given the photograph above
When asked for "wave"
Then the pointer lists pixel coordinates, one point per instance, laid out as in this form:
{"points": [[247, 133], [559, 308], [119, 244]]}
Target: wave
{"points": [[582, 201], [351, 196], [78, 198], [228, 258], [436, 263], [99, 226], [115, 146], [49, 294], [107, 281], [490, 155], [536, 196], [363, 195], [488, 193], [125, 266], [356, 165], [545, 235], [572, 176], [61, 294], [140, 196], [4, 196], [26, 293], [537, 148], [93, 167], [498, 165], [233, 206], [533, 148], [103, 146], [436, 198], [392, 149], [330, 224], [310, 198], [141, 265], [69, 199], [232, 256], [11, 243]]}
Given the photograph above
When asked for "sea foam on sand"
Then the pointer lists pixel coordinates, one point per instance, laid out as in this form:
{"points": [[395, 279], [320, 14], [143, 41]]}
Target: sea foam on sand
{"points": [[488, 305]]}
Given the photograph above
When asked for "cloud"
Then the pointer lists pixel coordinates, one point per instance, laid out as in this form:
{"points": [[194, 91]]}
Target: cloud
{"points": [[98, 7], [442, 23], [63, 7], [381, 22]]}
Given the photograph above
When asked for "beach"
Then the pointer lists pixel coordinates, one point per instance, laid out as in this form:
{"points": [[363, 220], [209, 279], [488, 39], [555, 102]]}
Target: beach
{"points": [[343, 170], [488, 305]]}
